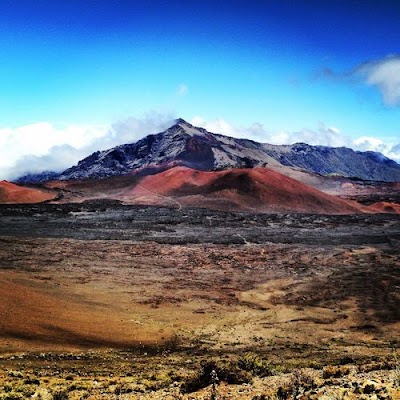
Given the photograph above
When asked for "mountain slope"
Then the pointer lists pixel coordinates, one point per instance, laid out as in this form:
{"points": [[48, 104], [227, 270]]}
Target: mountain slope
{"points": [[339, 161], [11, 193], [186, 145]]}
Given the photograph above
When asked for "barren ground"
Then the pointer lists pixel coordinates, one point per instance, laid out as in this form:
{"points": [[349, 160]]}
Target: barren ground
{"points": [[105, 301]]}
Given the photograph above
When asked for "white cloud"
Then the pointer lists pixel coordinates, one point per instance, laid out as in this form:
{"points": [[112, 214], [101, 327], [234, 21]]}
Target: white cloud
{"points": [[323, 135], [182, 90], [218, 125], [39, 138], [385, 75], [42, 146], [57, 159], [382, 74], [368, 143]]}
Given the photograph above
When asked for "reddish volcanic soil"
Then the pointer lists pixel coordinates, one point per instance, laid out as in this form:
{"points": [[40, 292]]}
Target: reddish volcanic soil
{"points": [[11, 193], [257, 189], [385, 207]]}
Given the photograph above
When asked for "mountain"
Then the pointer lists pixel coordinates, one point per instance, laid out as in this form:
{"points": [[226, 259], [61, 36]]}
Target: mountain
{"points": [[185, 145], [11, 193]]}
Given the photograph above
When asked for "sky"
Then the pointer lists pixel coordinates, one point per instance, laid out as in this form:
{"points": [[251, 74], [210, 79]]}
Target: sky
{"points": [[78, 76]]}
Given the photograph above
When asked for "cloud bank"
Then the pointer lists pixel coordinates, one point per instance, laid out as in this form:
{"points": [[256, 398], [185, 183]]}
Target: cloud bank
{"points": [[42, 146]]}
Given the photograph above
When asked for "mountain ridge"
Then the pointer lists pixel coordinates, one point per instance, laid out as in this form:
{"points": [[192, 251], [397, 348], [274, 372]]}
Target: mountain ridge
{"points": [[195, 147]]}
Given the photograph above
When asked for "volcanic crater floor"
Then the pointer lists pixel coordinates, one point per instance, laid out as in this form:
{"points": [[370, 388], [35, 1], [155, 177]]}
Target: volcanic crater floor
{"points": [[100, 300]]}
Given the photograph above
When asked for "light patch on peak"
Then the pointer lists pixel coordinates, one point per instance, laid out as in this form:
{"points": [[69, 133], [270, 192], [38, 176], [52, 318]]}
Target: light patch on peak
{"points": [[190, 129]]}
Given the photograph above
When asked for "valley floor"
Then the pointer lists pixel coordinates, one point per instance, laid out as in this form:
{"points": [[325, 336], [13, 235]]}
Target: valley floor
{"points": [[103, 301]]}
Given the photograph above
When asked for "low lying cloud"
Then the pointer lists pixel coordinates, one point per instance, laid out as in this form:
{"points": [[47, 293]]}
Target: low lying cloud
{"points": [[323, 135], [57, 159], [39, 138], [42, 146], [368, 143]]}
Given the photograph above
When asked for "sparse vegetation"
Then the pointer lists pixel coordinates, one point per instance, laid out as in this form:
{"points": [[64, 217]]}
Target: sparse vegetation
{"points": [[210, 371], [61, 395], [334, 371], [255, 365], [300, 382], [396, 362]]}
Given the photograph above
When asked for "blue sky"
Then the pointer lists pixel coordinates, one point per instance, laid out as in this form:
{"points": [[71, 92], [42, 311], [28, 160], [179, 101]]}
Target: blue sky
{"points": [[73, 72]]}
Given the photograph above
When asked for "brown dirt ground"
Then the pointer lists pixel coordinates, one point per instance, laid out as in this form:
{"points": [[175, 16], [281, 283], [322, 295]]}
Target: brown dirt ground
{"points": [[115, 293], [11, 193], [115, 302]]}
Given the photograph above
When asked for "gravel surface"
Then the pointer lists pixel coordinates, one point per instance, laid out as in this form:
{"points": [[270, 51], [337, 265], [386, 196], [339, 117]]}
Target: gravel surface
{"points": [[99, 221]]}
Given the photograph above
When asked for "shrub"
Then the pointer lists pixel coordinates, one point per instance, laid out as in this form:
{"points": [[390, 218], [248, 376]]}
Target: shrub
{"points": [[334, 372], [229, 373], [31, 381], [300, 382], [7, 388], [61, 395], [13, 396], [253, 363]]}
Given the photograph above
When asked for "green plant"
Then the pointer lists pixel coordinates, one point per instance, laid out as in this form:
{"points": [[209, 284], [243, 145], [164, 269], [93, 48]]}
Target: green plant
{"points": [[332, 371], [7, 388], [12, 396], [61, 395], [253, 363], [396, 368], [299, 383]]}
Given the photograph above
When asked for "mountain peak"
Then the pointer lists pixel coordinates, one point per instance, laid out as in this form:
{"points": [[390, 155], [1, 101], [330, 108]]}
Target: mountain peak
{"points": [[181, 121], [188, 128]]}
